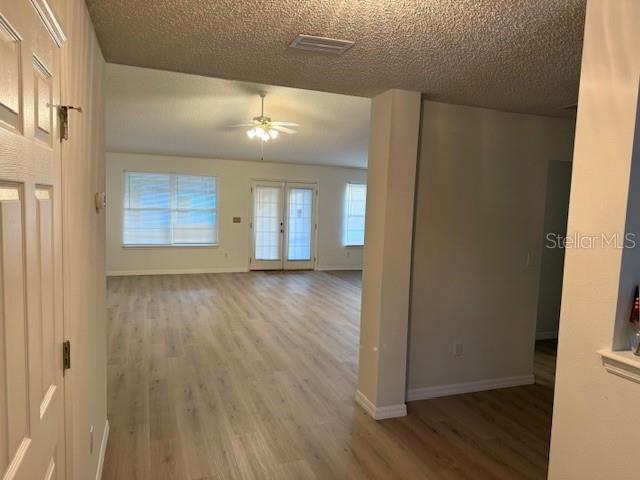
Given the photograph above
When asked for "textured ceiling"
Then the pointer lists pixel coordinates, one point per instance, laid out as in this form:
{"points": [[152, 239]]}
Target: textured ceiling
{"points": [[517, 55], [155, 111]]}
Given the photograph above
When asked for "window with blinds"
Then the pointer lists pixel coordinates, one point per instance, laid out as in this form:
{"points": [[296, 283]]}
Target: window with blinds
{"points": [[354, 216], [169, 209]]}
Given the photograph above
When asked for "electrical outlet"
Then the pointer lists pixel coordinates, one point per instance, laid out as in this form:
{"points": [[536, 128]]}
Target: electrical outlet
{"points": [[457, 349]]}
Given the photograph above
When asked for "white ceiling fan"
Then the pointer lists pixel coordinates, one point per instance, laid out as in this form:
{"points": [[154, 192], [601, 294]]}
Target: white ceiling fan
{"points": [[263, 128]]}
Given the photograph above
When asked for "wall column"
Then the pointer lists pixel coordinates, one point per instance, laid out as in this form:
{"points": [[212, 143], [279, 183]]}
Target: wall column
{"points": [[595, 417], [393, 150]]}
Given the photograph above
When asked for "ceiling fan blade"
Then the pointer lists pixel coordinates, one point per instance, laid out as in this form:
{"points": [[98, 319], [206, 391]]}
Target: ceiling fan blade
{"points": [[282, 129], [286, 124]]}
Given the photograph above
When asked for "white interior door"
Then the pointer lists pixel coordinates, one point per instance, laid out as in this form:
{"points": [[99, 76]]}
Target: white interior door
{"points": [[31, 384], [300, 226], [267, 225], [283, 226]]}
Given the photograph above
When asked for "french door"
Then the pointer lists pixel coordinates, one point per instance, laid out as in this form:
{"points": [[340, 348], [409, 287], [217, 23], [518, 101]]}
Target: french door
{"points": [[283, 226], [31, 372]]}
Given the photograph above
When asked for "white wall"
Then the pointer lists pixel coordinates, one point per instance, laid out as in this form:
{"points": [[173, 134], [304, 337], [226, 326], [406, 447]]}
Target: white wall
{"points": [[595, 417], [479, 216], [234, 200]]}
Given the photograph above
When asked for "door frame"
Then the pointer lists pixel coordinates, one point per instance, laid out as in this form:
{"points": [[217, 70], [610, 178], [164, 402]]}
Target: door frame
{"points": [[282, 264]]}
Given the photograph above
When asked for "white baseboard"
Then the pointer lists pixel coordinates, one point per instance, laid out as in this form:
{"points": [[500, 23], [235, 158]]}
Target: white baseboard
{"points": [[176, 271], [380, 413], [103, 450], [324, 268], [468, 387], [547, 335]]}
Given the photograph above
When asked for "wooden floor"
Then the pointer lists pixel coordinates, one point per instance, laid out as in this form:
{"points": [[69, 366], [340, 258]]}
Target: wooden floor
{"points": [[252, 376]]}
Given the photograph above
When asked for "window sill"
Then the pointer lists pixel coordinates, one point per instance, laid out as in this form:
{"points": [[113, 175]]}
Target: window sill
{"points": [[622, 363], [177, 245]]}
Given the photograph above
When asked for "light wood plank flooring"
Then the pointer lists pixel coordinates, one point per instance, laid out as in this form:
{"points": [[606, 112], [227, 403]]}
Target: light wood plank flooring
{"points": [[252, 376]]}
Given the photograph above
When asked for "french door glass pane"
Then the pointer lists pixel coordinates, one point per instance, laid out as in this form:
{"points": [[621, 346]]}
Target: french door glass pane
{"points": [[267, 218], [300, 224]]}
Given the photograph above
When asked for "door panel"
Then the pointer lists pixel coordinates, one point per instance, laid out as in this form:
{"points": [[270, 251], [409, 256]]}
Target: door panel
{"points": [[14, 324], [31, 380], [300, 226], [10, 81], [45, 327], [42, 100], [267, 225]]}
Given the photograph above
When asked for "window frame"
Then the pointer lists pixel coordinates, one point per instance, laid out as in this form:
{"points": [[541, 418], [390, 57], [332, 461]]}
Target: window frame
{"points": [[173, 177], [347, 215]]}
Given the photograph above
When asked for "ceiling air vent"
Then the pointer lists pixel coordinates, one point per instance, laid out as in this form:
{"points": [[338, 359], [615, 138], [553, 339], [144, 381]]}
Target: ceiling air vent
{"points": [[321, 44]]}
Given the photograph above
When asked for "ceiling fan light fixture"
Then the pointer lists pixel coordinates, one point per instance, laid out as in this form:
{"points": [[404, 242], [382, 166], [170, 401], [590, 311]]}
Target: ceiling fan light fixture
{"points": [[264, 129], [263, 132]]}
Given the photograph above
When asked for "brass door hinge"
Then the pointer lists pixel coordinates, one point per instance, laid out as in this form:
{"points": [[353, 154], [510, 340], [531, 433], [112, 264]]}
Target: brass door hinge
{"points": [[66, 356], [63, 115]]}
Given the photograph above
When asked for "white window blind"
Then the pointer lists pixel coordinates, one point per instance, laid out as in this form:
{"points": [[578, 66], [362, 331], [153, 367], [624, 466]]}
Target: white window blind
{"points": [[355, 208], [169, 209]]}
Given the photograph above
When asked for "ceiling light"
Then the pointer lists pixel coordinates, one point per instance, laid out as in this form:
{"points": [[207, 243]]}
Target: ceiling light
{"points": [[263, 128], [264, 132]]}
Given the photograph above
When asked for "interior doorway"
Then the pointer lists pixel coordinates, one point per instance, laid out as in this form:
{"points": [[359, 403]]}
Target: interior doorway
{"points": [[283, 225]]}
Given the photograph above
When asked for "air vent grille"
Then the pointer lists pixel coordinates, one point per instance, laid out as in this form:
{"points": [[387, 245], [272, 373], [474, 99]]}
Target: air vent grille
{"points": [[321, 44]]}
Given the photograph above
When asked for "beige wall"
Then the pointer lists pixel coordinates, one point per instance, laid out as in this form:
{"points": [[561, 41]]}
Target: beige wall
{"points": [[595, 421], [234, 199], [83, 243], [556, 210], [393, 148], [478, 239]]}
